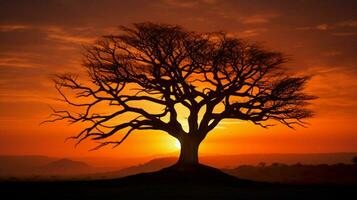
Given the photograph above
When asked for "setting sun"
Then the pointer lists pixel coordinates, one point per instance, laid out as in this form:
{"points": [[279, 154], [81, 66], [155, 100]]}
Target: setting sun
{"points": [[177, 144]]}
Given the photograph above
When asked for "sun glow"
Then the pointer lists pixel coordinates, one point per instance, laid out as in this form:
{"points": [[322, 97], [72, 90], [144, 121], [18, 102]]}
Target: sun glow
{"points": [[177, 144]]}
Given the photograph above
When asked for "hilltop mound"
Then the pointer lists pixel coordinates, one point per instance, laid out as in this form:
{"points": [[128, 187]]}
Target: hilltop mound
{"points": [[200, 182], [196, 174]]}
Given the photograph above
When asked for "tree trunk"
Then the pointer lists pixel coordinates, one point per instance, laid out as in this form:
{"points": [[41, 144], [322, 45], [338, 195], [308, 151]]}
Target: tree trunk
{"points": [[189, 151]]}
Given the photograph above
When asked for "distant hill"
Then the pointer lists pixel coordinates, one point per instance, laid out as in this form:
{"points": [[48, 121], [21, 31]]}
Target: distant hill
{"points": [[153, 165], [231, 161], [298, 174], [275, 172], [28, 166], [22, 165], [65, 167]]}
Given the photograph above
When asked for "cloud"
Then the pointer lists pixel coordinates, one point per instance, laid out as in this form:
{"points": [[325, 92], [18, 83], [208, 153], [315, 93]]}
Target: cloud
{"points": [[60, 34], [322, 27], [345, 34], [13, 27], [331, 53], [331, 26], [15, 62], [23, 83], [251, 32], [188, 3], [334, 87], [258, 19], [348, 23], [181, 4], [30, 53]]}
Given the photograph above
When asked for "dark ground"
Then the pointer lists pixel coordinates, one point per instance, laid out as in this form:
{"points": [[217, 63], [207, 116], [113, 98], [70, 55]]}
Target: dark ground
{"points": [[205, 183]]}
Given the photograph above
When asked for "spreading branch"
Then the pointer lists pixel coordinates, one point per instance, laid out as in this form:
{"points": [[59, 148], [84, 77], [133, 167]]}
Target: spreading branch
{"points": [[147, 70]]}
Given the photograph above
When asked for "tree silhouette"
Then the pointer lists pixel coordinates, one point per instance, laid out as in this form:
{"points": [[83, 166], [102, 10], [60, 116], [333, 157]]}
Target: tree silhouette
{"points": [[354, 160], [143, 77]]}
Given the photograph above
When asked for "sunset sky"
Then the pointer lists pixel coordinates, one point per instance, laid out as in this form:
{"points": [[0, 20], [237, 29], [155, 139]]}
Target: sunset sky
{"points": [[40, 38]]}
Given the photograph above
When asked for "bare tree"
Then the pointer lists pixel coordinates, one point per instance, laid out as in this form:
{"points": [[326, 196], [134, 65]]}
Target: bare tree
{"points": [[139, 78]]}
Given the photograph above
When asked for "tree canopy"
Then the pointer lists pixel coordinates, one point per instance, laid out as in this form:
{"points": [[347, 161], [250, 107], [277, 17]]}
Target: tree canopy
{"points": [[213, 75]]}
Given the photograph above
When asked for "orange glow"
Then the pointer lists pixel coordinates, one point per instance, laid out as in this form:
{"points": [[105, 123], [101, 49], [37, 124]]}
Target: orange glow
{"points": [[30, 51]]}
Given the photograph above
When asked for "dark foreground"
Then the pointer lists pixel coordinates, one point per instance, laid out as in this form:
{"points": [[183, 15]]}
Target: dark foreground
{"points": [[206, 183]]}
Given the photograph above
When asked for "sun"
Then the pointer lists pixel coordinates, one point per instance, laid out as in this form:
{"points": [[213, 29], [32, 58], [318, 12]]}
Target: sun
{"points": [[177, 144]]}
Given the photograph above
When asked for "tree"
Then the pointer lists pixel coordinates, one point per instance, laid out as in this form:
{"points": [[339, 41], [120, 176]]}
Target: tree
{"points": [[146, 73], [354, 160]]}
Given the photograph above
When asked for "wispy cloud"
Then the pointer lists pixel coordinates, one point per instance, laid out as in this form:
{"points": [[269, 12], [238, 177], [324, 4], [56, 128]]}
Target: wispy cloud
{"points": [[331, 53], [251, 32], [258, 19], [188, 3], [15, 62], [13, 27], [182, 4], [345, 34], [60, 34], [20, 60], [335, 87], [322, 27], [349, 24]]}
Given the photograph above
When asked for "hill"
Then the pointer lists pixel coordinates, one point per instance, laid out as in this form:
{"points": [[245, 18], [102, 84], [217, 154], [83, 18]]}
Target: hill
{"points": [[46, 167], [298, 173], [65, 167], [41, 166], [22, 165], [168, 184], [151, 166], [273, 173], [231, 161]]}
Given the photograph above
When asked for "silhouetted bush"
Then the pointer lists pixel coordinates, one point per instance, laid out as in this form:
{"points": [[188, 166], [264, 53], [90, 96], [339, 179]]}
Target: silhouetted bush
{"points": [[354, 160]]}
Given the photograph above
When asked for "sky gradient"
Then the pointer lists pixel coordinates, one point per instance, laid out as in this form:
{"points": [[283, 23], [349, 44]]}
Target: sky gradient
{"points": [[41, 38]]}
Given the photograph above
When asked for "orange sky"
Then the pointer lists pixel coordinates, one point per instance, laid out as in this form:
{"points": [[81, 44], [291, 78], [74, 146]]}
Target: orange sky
{"points": [[40, 38]]}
